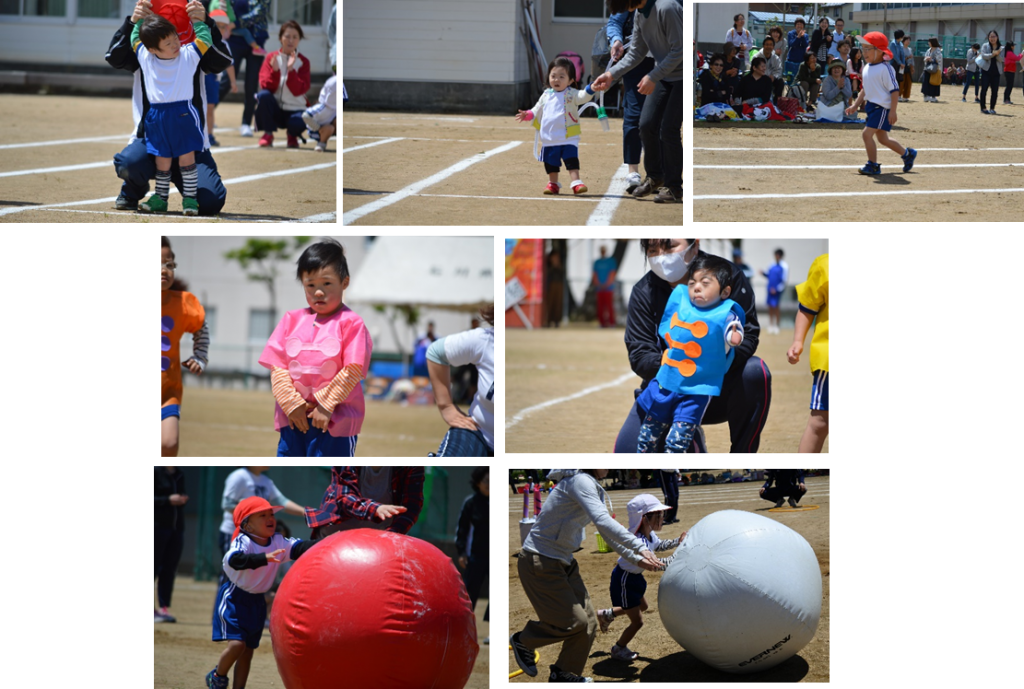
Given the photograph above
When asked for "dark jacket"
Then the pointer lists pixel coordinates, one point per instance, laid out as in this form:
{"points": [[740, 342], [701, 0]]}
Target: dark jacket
{"points": [[472, 537], [167, 515]]}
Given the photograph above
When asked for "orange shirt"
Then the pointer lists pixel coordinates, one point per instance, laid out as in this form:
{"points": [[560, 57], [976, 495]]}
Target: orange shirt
{"points": [[181, 313]]}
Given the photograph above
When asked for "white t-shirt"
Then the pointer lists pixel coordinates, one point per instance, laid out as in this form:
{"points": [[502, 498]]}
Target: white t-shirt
{"points": [[258, 580], [552, 122], [169, 81], [241, 484], [477, 347], [879, 82]]}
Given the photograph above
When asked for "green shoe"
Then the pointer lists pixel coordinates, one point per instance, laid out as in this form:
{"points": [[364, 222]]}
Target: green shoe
{"points": [[189, 206], [154, 204]]}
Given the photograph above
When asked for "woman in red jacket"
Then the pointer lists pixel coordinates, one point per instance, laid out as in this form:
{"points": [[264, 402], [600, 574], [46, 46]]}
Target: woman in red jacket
{"points": [[284, 81], [1010, 70]]}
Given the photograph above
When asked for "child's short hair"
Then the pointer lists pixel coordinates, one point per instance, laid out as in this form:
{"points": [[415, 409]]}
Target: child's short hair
{"points": [[155, 29], [898, 34], [976, 46], [800, 20], [845, 42], [780, 253], [165, 243], [716, 265], [477, 476], [327, 253], [290, 24], [757, 61], [565, 63]]}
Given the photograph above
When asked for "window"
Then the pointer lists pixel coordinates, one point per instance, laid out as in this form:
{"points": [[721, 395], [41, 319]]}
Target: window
{"points": [[261, 325], [305, 12], [100, 9], [579, 9], [34, 8]]}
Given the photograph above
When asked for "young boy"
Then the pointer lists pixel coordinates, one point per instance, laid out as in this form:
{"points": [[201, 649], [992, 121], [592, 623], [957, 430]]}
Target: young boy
{"points": [[180, 313], [224, 25], [776, 275], [170, 74], [701, 326], [321, 118], [813, 298], [881, 89]]}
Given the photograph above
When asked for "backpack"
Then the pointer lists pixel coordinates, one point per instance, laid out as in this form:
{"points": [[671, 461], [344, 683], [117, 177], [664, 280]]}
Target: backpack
{"points": [[577, 62]]}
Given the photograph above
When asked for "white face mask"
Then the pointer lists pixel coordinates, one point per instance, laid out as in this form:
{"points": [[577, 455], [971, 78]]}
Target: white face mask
{"points": [[671, 267]]}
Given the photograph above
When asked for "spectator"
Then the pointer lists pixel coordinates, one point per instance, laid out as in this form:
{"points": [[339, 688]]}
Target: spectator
{"points": [[733, 68], [253, 15], [554, 295], [284, 81], [838, 36], [713, 87], [619, 31], [931, 81], [836, 93], [808, 78], [169, 485], [780, 43], [756, 86], [1009, 70], [973, 75], [798, 43], [854, 65], [991, 56], [819, 44], [472, 536], [603, 279], [737, 258], [382, 498], [773, 65], [899, 57], [908, 69], [740, 38]]}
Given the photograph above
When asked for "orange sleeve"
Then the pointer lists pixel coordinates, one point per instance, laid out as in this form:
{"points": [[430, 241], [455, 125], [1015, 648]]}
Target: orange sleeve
{"points": [[284, 392], [338, 390]]}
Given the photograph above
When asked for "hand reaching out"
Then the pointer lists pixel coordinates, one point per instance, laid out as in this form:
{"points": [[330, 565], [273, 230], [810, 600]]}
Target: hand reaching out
{"points": [[521, 115], [386, 511], [276, 556]]}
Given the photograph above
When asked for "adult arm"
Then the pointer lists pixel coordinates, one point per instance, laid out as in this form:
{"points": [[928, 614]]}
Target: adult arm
{"points": [[270, 78], [673, 27], [588, 495], [634, 56], [642, 342], [614, 30], [439, 371], [120, 54]]}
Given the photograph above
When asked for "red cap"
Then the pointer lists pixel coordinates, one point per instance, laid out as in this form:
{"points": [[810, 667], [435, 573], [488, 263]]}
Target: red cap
{"points": [[174, 12], [879, 41], [247, 508], [220, 16]]}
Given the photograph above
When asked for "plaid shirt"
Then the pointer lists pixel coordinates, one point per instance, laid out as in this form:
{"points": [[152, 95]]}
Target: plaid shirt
{"points": [[342, 500]]}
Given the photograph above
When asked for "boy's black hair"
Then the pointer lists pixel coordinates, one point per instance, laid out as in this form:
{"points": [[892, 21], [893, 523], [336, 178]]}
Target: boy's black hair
{"points": [[898, 34], [477, 476], [325, 253], [648, 244], [155, 29], [565, 63], [757, 61], [716, 265], [800, 20], [976, 46], [165, 243], [780, 252]]}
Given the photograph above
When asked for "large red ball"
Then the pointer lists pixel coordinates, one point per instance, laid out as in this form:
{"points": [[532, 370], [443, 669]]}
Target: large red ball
{"points": [[373, 608]]}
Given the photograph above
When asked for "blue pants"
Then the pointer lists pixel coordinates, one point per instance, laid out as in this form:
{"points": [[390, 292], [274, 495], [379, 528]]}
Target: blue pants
{"points": [[136, 167], [246, 62], [239, 615], [878, 117], [460, 442], [632, 105], [819, 391], [270, 116], [973, 78], [315, 443]]}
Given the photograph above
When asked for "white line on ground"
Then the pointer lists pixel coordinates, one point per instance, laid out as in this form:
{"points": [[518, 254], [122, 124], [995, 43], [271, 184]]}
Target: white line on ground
{"points": [[860, 148], [846, 167], [462, 141], [321, 217], [375, 143], [432, 118], [621, 504], [847, 194], [605, 210], [416, 187], [517, 198], [523, 413], [94, 139], [89, 166], [111, 199]]}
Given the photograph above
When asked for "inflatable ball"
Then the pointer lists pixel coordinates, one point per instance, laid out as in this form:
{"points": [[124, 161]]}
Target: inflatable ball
{"points": [[743, 593], [369, 608]]}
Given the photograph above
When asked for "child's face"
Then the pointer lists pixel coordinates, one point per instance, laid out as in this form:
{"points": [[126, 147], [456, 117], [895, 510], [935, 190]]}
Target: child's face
{"points": [[324, 290], [262, 524], [225, 30], [655, 520], [167, 268], [705, 291], [485, 485], [169, 48], [558, 79]]}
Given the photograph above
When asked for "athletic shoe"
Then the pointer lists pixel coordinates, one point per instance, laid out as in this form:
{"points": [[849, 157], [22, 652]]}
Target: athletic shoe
{"points": [[579, 188], [320, 147], [552, 189], [123, 203], [267, 140], [1006, 102], [623, 653], [245, 130], [985, 112], [605, 618], [792, 503], [780, 503], [154, 204], [293, 141], [259, 51], [977, 100], [215, 681], [632, 182], [908, 159], [213, 141], [668, 195], [992, 111], [487, 641], [524, 656], [964, 99], [561, 676], [189, 206], [871, 169], [649, 186]]}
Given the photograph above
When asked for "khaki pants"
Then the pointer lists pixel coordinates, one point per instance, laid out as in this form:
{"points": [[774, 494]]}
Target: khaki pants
{"points": [[559, 596], [907, 82]]}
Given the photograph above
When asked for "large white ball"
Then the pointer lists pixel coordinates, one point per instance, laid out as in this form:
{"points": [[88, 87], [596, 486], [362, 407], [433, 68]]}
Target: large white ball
{"points": [[743, 593]]}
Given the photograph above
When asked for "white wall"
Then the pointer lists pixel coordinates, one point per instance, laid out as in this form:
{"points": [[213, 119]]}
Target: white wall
{"points": [[714, 19]]}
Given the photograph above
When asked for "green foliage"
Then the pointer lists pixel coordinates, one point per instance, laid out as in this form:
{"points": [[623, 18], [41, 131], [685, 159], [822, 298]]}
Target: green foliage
{"points": [[263, 255]]}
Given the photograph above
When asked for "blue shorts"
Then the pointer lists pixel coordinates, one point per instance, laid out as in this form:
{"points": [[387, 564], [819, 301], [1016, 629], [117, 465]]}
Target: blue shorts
{"points": [[627, 588], [819, 391], [878, 117], [169, 411], [173, 129], [315, 443], [239, 615], [668, 407], [772, 299], [462, 442], [212, 88], [554, 155]]}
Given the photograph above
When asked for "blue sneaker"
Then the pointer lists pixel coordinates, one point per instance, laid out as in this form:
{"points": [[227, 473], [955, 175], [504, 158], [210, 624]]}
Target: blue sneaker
{"points": [[908, 159], [215, 681], [871, 169]]}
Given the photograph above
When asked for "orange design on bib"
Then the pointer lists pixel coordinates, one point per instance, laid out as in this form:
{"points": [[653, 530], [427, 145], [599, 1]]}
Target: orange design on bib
{"points": [[691, 349]]}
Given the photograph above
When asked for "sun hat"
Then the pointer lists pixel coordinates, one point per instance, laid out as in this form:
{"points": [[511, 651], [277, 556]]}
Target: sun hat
{"points": [[249, 507], [220, 16], [878, 40], [641, 505], [836, 63]]}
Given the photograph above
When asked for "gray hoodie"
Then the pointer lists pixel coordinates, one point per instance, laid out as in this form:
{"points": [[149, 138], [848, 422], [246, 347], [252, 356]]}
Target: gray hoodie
{"points": [[576, 501], [661, 33]]}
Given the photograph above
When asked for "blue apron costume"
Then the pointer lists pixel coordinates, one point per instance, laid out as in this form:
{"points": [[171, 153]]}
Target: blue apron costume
{"points": [[696, 361]]}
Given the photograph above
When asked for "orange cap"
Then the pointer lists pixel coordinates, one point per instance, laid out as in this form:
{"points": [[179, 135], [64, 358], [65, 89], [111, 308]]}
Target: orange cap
{"points": [[247, 508]]}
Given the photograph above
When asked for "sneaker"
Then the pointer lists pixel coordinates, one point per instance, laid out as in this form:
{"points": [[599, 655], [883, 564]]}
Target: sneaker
{"points": [[123, 203], [604, 619], [632, 182], [780, 503], [623, 653], [667, 195], [487, 641], [213, 141], [792, 503], [977, 100], [154, 204], [189, 206], [964, 99], [168, 617], [524, 656], [579, 188], [985, 112], [552, 188], [215, 681], [1006, 102], [871, 169], [561, 676], [293, 141], [320, 147], [245, 130], [908, 159], [649, 186], [259, 51], [267, 140]]}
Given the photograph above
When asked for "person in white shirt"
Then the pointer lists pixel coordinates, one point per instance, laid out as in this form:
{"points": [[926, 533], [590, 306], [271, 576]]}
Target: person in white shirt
{"points": [[246, 482], [838, 36], [740, 38]]}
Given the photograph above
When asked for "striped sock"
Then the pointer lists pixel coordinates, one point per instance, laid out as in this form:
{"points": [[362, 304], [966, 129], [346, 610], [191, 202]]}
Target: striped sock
{"points": [[163, 184], [191, 179]]}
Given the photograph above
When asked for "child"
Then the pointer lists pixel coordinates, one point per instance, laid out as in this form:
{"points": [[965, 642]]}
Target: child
{"points": [[321, 118], [180, 313], [701, 326], [250, 565], [172, 125], [213, 80], [243, 33], [777, 276], [388, 498], [317, 357], [557, 121], [628, 585], [813, 298], [880, 89]]}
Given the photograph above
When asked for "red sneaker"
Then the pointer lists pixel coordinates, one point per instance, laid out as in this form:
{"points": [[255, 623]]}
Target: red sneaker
{"points": [[267, 140], [580, 188], [293, 142], [552, 188]]}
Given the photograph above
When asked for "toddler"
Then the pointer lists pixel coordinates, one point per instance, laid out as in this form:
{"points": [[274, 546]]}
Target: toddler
{"points": [[224, 25], [556, 117], [243, 33], [701, 325], [317, 357], [172, 125], [321, 118], [813, 298]]}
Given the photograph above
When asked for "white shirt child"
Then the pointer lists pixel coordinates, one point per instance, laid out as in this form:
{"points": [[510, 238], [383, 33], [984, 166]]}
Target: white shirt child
{"points": [[879, 82], [261, 579]]}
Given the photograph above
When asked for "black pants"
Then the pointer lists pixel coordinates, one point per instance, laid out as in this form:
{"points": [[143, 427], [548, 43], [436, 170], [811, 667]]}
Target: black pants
{"points": [[661, 131], [776, 493], [777, 88], [990, 79], [1009, 76], [473, 576], [671, 488], [168, 544]]}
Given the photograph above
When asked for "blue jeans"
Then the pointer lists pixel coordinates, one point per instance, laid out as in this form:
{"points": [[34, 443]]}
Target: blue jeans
{"points": [[250, 64], [661, 131], [973, 78], [632, 105], [136, 167], [270, 116]]}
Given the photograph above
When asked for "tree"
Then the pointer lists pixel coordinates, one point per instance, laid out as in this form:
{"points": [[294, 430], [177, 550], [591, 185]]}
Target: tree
{"points": [[264, 255], [410, 315]]}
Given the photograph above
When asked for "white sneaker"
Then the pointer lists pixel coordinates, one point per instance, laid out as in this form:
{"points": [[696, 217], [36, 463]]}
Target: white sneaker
{"points": [[245, 130], [605, 618], [623, 653], [632, 181]]}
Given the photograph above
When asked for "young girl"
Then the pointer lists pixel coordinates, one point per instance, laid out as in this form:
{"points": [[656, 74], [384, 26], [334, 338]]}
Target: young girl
{"points": [[853, 67], [556, 117], [317, 358], [180, 313], [628, 585]]}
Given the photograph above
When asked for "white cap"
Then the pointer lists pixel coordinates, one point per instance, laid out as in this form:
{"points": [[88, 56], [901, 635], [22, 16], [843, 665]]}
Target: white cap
{"points": [[641, 505]]}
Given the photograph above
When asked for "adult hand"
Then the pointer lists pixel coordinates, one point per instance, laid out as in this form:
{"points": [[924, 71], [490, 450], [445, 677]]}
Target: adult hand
{"points": [[274, 66], [195, 10], [142, 10], [463, 562], [682, 536], [646, 86], [276, 556], [178, 500], [603, 82], [193, 366], [388, 511], [794, 352], [617, 50], [291, 60], [320, 417], [234, 87], [802, 487], [456, 419], [761, 492], [649, 562], [297, 418]]}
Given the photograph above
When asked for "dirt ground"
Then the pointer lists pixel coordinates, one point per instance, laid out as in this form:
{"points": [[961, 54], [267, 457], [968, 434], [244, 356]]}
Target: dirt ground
{"points": [[552, 363], [183, 652], [661, 658], [240, 423], [960, 151], [263, 185], [504, 189]]}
